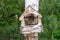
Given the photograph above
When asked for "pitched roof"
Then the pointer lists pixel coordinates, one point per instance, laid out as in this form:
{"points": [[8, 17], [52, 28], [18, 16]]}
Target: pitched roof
{"points": [[29, 10]]}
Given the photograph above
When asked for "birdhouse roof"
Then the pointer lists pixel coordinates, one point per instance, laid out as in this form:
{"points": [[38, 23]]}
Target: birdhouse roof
{"points": [[29, 10]]}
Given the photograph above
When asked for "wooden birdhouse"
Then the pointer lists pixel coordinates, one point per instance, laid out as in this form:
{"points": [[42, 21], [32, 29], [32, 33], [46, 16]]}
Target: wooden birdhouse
{"points": [[30, 21]]}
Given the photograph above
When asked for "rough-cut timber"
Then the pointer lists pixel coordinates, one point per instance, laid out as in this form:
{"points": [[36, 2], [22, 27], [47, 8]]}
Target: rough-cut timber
{"points": [[31, 31]]}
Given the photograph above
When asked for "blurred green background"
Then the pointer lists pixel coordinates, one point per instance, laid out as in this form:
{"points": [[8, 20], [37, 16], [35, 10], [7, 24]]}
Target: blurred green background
{"points": [[10, 25]]}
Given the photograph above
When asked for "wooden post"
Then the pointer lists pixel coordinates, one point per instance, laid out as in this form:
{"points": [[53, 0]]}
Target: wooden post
{"points": [[35, 5]]}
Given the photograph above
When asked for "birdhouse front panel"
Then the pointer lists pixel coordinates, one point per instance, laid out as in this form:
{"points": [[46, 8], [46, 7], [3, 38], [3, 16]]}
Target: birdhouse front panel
{"points": [[30, 21]]}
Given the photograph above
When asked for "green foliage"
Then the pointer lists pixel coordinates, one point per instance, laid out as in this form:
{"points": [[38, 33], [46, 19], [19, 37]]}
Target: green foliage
{"points": [[50, 10], [9, 24], [9, 27]]}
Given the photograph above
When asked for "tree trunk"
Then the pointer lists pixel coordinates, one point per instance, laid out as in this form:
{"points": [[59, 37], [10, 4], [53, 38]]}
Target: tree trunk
{"points": [[52, 36]]}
